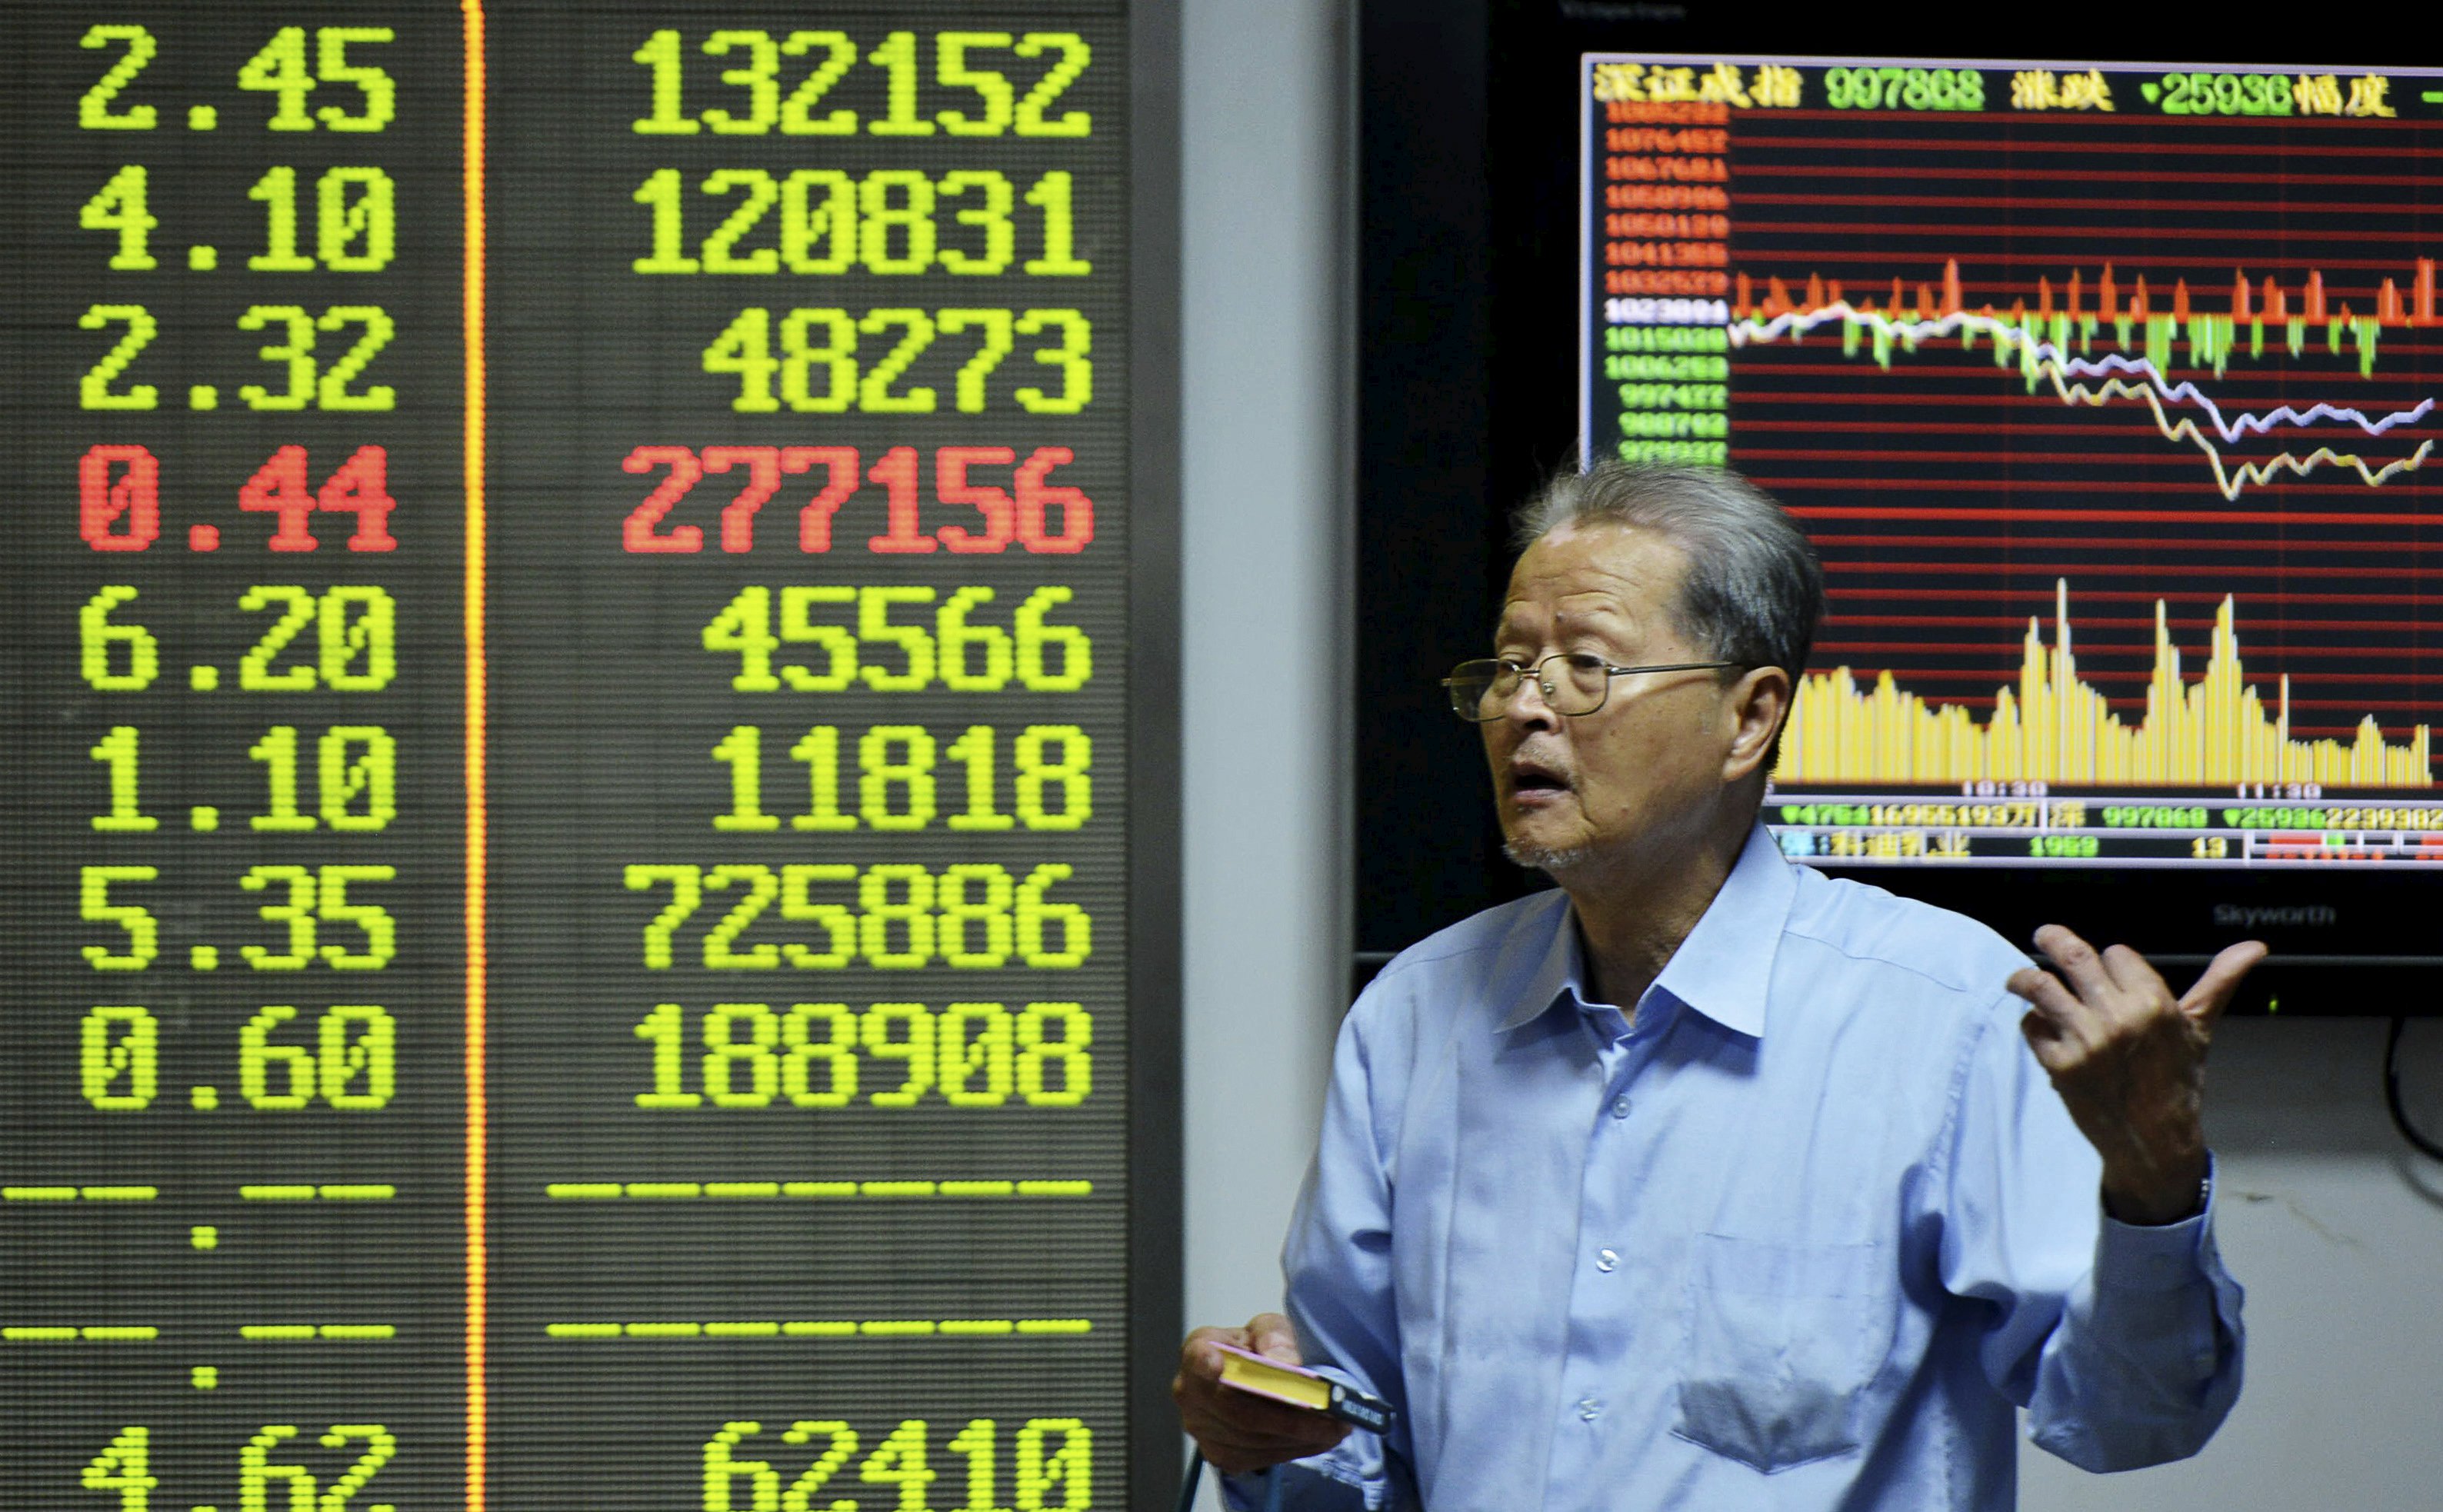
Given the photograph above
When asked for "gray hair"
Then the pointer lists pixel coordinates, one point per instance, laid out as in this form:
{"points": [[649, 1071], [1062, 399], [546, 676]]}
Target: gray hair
{"points": [[1753, 591]]}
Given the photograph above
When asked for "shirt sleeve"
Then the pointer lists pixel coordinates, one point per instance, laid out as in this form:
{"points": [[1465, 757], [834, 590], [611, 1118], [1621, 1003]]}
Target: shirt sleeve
{"points": [[1337, 1267], [2124, 1342]]}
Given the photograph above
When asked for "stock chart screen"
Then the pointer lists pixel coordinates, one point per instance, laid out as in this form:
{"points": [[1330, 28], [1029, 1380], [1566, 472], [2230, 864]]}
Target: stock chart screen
{"points": [[2103, 391], [570, 887]]}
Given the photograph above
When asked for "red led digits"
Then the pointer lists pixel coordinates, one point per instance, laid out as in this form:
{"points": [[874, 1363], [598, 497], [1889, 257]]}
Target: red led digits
{"points": [[762, 481], [1077, 510], [277, 487], [120, 513], [638, 534], [840, 480], [361, 486], [896, 473], [951, 487], [1045, 517]]}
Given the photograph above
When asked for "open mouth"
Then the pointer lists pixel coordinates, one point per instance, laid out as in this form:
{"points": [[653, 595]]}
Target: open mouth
{"points": [[1531, 782]]}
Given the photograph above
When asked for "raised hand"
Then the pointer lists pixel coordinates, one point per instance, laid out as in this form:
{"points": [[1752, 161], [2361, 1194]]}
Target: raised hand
{"points": [[2129, 1062]]}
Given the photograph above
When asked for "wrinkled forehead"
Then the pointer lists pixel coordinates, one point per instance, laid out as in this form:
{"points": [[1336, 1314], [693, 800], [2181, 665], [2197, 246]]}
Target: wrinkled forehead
{"points": [[1614, 579]]}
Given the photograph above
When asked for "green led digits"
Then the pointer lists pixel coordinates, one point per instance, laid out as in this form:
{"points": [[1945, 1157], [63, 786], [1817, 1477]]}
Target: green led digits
{"points": [[813, 1055], [119, 207], [1903, 90], [350, 1063], [143, 933], [895, 785], [974, 915], [356, 765], [1054, 1457], [1042, 656], [355, 642], [980, 102], [356, 222], [119, 1060], [320, 895], [818, 368], [306, 382], [894, 221], [280, 70], [125, 1465]]}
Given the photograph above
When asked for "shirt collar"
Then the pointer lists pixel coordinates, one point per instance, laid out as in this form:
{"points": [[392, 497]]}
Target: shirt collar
{"points": [[1723, 970]]}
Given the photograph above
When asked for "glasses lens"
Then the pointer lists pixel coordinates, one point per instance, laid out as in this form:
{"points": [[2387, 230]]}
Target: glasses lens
{"points": [[1577, 681], [1478, 689]]}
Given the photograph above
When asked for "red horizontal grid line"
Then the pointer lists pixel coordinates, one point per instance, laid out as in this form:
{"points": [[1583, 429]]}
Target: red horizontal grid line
{"points": [[1746, 197], [1819, 356], [2019, 121], [2418, 706], [1985, 701], [1744, 395], [1884, 542], [2148, 595], [2044, 569], [2086, 260], [2073, 175], [2134, 648], [2043, 485], [2169, 459], [2012, 146], [2087, 623], [2015, 430]]}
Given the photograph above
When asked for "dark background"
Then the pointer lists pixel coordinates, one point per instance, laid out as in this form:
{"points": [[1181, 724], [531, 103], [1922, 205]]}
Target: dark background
{"points": [[1467, 397]]}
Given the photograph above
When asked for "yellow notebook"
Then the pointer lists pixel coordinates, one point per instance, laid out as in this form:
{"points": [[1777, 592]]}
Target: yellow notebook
{"points": [[1248, 1372]]}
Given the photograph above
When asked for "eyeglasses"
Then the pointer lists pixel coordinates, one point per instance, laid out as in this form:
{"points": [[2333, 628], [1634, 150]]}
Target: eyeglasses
{"points": [[1481, 691]]}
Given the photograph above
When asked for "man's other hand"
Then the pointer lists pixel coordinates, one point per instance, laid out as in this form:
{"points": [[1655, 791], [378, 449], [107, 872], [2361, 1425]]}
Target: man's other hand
{"points": [[1239, 1431], [2129, 1061]]}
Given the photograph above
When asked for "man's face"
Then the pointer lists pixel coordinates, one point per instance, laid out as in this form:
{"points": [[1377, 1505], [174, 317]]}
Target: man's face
{"points": [[1643, 773]]}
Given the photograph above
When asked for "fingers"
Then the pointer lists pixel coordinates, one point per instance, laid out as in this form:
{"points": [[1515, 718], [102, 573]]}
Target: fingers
{"points": [[1270, 1335], [2219, 982], [2077, 960], [1199, 1359], [2053, 1003]]}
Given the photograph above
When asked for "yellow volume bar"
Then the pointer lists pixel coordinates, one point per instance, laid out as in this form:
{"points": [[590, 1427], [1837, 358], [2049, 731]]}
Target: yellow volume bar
{"points": [[299, 1333], [872, 1328], [609, 1190], [71, 1193], [2054, 728], [362, 1192], [92, 1334]]}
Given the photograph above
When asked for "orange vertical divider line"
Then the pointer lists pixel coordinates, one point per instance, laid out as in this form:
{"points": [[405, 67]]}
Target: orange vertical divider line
{"points": [[478, 1404]]}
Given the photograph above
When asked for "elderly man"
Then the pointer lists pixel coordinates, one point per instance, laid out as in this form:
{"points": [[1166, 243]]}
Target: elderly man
{"points": [[1707, 1181]]}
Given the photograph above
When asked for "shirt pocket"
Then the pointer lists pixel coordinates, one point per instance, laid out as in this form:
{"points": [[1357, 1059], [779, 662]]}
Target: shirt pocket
{"points": [[1782, 1340]]}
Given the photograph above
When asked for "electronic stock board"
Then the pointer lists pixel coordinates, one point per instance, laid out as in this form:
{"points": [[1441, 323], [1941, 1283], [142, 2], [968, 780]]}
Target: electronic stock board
{"points": [[2105, 393], [590, 593]]}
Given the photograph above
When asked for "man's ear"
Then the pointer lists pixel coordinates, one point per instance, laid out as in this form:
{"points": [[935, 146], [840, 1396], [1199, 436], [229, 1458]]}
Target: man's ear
{"points": [[1758, 704]]}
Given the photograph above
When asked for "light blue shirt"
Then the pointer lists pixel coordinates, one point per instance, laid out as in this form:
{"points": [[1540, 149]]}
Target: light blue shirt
{"points": [[1800, 1238]]}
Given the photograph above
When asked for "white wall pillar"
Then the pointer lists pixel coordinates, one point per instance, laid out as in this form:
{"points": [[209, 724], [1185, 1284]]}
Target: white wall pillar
{"points": [[1265, 620]]}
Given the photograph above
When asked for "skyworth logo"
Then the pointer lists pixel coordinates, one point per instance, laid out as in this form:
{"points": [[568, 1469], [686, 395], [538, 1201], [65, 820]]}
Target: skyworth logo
{"points": [[2316, 915]]}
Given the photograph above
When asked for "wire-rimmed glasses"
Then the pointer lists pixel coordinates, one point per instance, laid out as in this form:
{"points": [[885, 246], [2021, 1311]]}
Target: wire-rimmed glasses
{"points": [[1481, 691]]}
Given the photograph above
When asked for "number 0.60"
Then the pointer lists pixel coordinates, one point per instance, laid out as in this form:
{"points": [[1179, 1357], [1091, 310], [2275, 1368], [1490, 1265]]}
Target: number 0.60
{"points": [[352, 1064]]}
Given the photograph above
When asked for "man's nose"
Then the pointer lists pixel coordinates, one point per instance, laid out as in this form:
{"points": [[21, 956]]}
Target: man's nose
{"points": [[1529, 703]]}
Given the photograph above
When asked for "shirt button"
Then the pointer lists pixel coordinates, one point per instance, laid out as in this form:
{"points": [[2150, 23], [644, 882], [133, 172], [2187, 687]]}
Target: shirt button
{"points": [[1606, 1259], [1620, 1106], [1588, 1409]]}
